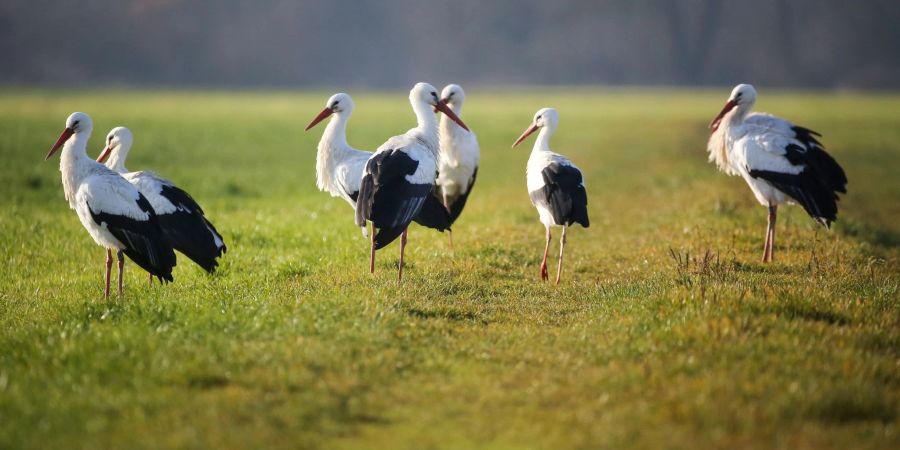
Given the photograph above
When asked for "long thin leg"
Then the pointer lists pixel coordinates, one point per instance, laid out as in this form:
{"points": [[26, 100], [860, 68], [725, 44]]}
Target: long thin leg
{"points": [[402, 249], [773, 211], [544, 274], [767, 246], [562, 247], [121, 257], [150, 279], [108, 270], [372, 251], [449, 232]]}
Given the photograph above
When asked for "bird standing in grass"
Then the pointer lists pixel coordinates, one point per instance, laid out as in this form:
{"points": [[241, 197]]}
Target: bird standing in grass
{"points": [[458, 158], [180, 218], [400, 175], [113, 212], [339, 167], [781, 162], [555, 185]]}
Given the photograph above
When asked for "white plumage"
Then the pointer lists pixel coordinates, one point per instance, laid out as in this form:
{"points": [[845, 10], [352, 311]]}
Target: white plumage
{"points": [[400, 175], [181, 219], [555, 185], [781, 162], [458, 156], [113, 212], [339, 166]]}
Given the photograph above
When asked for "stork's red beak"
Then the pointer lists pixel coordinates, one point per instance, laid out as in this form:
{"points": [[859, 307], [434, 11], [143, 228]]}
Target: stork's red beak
{"points": [[442, 107], [525, 134], [104, 155], [66, 134], [322, 115], [729, 105]]}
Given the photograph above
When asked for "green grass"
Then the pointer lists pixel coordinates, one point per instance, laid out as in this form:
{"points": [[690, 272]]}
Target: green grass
{"points": [[666, 332]]}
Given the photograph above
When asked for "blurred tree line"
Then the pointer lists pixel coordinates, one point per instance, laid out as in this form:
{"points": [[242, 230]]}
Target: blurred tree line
{"points": [[390, 43]]}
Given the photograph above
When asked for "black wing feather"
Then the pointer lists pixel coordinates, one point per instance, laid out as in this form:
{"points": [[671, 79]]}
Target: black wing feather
{"points": [[457, 204], [816, 188], [188, 230], [385, 196], [564, 194], [143, 240]]}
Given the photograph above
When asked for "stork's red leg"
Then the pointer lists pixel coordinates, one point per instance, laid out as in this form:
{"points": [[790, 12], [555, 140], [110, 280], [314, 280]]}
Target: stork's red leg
{"points": [[449, 232], [562, 247], [544, 274], [150, 279], [402, 249], [121, 257], [372, 251], [773, 210], [108, 270]]}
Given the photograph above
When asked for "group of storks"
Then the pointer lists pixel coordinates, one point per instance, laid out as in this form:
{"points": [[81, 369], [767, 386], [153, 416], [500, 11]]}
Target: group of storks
{"points": [[424, 175]]}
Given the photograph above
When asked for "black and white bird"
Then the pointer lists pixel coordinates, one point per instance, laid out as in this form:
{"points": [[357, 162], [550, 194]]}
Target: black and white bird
{"points": [[555, 185], [399, 176], [339, 167], [458, 158], [781, 162], [113, 212], [180, 218]]}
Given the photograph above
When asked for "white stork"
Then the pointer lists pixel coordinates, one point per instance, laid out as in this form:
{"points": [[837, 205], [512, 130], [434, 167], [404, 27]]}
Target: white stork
{"points": [[339, 167], [781, 162], [400, 175], [180, 217], [114, 213], [459, 155], [555, 185]]}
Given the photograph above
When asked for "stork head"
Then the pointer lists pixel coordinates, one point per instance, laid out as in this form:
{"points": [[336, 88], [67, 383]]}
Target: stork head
{"points": [[544, 118], [336, 104], [743, 96], [77, 123], [453, 95], [426, 94], [118, 143]]}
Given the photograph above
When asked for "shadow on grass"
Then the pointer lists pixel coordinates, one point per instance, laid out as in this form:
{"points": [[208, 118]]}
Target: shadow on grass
{"points": [[812, 314], [848, 406], [446, 314], [873, 234]]}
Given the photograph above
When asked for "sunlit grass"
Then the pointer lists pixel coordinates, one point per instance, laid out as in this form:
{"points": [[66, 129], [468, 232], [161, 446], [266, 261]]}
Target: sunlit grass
{"points": [[665, 332]]}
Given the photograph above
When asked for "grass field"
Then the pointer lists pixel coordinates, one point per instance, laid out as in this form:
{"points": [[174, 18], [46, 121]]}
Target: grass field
{"points": [[666, 332]]}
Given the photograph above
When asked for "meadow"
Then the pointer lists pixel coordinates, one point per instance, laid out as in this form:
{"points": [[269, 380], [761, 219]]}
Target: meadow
{"points": [[666, 331]]}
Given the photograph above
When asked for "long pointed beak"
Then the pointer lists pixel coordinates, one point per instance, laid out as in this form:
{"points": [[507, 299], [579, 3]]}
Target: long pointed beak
{"points": [[66, 134], [442, 107], [729, 105], [525, 134], [104, 155], [322, 115]]}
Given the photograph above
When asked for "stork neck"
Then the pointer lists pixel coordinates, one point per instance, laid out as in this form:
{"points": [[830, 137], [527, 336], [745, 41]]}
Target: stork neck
{"points": [[427, 127], [542, 143], [738, 115], [74, 164], [447, 124], [116, 161], [336, 131]]}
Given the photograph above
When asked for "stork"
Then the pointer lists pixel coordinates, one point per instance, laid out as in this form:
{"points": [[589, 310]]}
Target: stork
{"points": [[399, 176], [180, 218], [555, 185], [458, 160], [114, 213], [781, 162], [339, 167]]}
